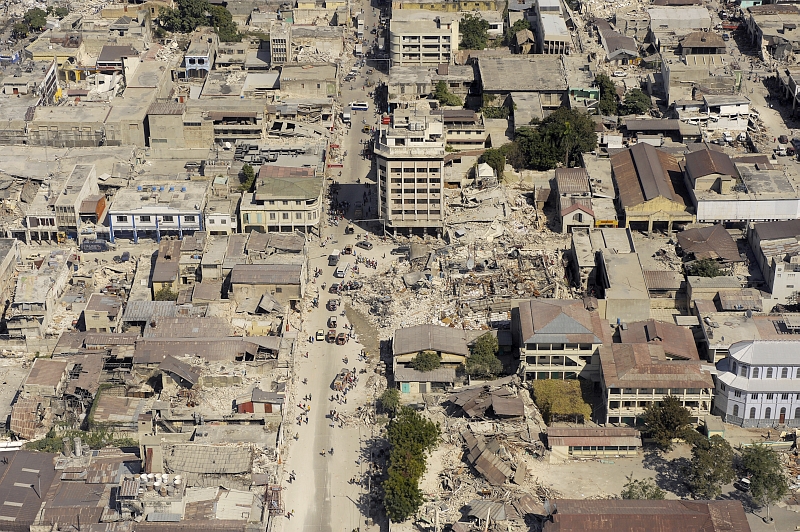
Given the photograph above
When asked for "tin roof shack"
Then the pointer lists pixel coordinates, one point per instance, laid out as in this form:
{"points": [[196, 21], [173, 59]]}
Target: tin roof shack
{"points": [[103, 313], [558, 339], [654, 516], [37, 295], [678, 342], [26, 477], [621, 285], [636, 375], [260, 402], [9, 259], [651, 189], [567, 442], [47, 378], [285, 282], [166, 270], [315, 81]]}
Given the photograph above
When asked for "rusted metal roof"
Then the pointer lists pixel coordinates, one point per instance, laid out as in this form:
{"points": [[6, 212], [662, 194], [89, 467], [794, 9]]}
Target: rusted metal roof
{"points": [[710, 243], [643, 173], [46, 372], [572, 180], [180, 369], [24, 481], [678, 342], [26, 416], [701, 163], [600, 436], [268, 274], [663, 280], [652, 516], [646, 366], [483, 457]]}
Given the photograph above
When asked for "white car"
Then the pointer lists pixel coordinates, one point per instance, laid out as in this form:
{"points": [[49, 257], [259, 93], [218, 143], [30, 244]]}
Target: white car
{"points": [[620, 74]]}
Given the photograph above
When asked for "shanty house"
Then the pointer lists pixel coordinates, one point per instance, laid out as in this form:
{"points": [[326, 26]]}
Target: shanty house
{"points": [[566, 442], [558, 339], [260, 402], [47, 378], [103, 313], [651, 189], [284, 282]]}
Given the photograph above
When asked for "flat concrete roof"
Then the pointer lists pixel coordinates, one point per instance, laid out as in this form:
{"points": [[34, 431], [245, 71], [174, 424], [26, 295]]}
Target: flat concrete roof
{"points": [[531, 73], [625, 277]]}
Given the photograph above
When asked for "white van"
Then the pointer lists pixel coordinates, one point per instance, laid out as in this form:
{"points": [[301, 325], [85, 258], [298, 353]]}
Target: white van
{"points": [[341, 270]]}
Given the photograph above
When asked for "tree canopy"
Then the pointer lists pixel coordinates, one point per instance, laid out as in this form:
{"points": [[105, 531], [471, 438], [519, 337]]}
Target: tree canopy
{"points": [[711, 467], [390, 400], [762, 465], [247, 177], [483, 361], [165, 294], [474, 32], [637, 102], [426, 361], [642, 489], [519, 25], [608, 95], [666, 421], [445, 97], [558, 139], [704, 268], [411, 437], [36, 19], [494, 158], [560, 399], [188, 15]]}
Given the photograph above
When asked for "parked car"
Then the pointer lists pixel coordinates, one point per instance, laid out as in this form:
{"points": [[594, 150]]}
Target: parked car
{"points": [[365, 244], [783, 139], [332, 305], [331, 337], [743, 484], [401, 250], [726, 37], [348, 250], [320, 336], [332, 322], [619, 74], [350, 229]]}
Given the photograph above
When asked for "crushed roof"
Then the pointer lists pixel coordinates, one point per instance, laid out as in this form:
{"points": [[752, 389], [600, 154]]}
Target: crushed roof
{"points": [[710, 243]]}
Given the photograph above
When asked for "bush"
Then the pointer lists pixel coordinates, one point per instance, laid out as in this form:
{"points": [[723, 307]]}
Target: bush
{"points": [[636, 102], [483, 361], [165, 294], [426, 361], [411, 437], [704, 268], [642, 489], [445, 97], [390, 400], [608, 95], [560, 399], [494, 158], [247, 178]]}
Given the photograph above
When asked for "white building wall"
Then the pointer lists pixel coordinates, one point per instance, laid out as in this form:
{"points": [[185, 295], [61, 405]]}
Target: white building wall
{"points": [[747, 210]]}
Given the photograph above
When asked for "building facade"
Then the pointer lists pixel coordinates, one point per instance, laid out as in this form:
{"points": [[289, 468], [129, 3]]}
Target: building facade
{"points": [[409, 154], [286, 199], [758, 384], [415, 38]]}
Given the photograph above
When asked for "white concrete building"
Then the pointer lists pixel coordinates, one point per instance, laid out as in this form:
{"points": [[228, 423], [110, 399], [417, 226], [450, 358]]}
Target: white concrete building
{"points": [[416, 38], [758, 384], [153, 210]]}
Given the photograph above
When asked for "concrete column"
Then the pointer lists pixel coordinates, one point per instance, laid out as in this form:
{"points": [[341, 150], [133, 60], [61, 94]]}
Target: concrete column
{"points": [[650, 225]]}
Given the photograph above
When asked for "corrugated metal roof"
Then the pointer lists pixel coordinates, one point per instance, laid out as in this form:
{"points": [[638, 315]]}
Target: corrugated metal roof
{"points": [[643, 173], [430, 338], [558, 321], [142, 311], [605, 436], [646, 366], [663, 280], [710, 243], [24, 470], [268, 274], [652, 516], [677, 341], [572, 180], [181, 369], [702, 163], [404, 374], [484, 459]]}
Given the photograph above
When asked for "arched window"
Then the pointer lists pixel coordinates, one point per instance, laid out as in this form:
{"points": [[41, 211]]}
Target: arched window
{"points": [[797, 413], [785, 373], [755, 373], [735, 410], [752, 413], [768, 413], [782, 415], [769, 373]]}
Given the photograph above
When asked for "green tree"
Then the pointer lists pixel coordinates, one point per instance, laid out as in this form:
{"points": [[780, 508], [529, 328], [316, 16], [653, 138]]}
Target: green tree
{"points": [[60, 11], [560, 138], [608, 95], [247, 177], [222, 21], [188, 15], [711, 467], [165, 294], [474, 32], [390, 400], [521, 24], [637, 102], [494, 158], [642, 489], [666, 421], [20, 30], [768, 483], [704, 268], [35, 18], [411, 437], [483, 361], [559, 399], [445, 97], [426, 361]]}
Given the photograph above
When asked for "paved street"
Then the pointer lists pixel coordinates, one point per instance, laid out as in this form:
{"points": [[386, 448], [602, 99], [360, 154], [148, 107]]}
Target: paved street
{"points": [[321, 497]]}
